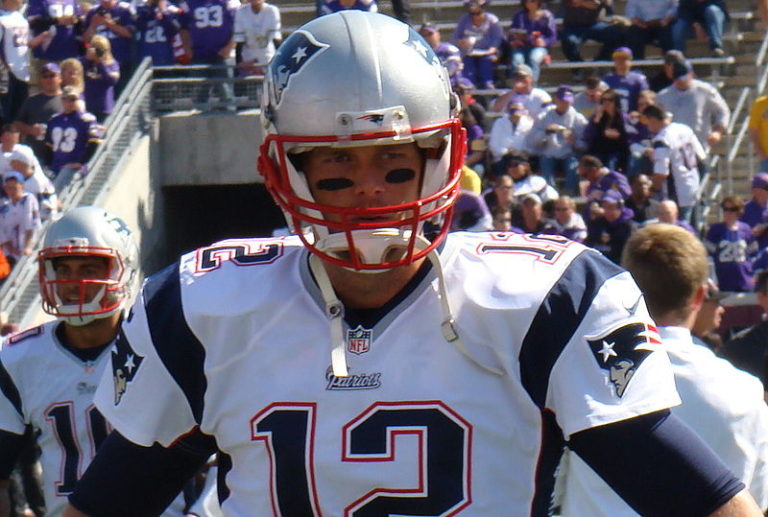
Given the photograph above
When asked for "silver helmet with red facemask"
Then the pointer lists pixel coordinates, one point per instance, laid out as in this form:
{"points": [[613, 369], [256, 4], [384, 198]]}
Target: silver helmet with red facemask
{"points": [[359, 79], [87, 232]]}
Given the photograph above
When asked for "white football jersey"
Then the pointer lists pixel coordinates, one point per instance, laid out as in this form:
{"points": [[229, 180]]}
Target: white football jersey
{"points": [[47, 386], [235, 339], [675, 153], [257, 31]]}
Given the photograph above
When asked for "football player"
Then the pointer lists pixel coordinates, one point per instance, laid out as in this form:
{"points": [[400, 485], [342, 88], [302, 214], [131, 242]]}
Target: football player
{"points": [[380, 367], [48, 374]]}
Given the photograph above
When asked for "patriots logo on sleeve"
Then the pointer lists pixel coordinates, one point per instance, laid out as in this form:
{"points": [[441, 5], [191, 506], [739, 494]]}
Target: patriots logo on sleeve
{"points": [[294, 53], [125, 364], [623, 350]]}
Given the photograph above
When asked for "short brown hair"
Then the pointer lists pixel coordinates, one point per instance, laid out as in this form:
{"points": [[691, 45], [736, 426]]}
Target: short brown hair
{"points": [[669, 264]]}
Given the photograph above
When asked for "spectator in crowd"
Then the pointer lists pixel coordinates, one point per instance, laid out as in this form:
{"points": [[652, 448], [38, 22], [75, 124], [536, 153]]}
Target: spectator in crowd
{"points": [[608, 233], [257, 32], [471, 214], [664, 77], [722, 404], [600, 180], [667, 212], [566, 221], [19, 218], [748, 349], [639, 201], [72, 135], [607, 134], [732, 247], [624, 81], [157, 25], [501, 194], [710, 14], [640, 150], [709, 318], [509, 134], [470, 180], [463, 88], [758, 130], [209, 43], [697, 104], [476, 144], [449, 54], [585, 20], [502, 221], [479, 36], [35, 181], [113, 21], [651, 23], [526, 182], [556, 137], [73, 74], [102, 72], [676, 153], [530, 218], [14, 32], [9, 143], [333, 6], [56, 25], [38, 108], [531, 34], [587, 101], [756, 210], [535, 100]]}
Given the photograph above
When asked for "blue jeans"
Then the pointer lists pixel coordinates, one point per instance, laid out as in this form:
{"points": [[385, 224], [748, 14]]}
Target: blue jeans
{"points": [[532, 56], [713, 23], [479, 70], [638, 38], [763, 165], [567, 166], [607, 34]]}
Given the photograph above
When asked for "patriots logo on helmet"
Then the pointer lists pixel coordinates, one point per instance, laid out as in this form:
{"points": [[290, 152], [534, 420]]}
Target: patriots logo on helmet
{"points": [[125, 364], [359, 340], [621, 351], [294, 53], [418, 44], [375, 118]]}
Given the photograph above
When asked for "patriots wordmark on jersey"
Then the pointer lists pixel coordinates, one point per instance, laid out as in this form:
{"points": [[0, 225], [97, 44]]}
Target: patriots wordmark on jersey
{"points": [[235, 340]]}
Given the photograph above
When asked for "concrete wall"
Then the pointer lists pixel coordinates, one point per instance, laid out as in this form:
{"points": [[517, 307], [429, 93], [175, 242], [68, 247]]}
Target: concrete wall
{"points": [[209, 148]]}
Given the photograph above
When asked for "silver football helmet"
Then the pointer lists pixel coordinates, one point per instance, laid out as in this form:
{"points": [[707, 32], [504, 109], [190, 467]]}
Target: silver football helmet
{"points": [[93, 232], [358, 79]]}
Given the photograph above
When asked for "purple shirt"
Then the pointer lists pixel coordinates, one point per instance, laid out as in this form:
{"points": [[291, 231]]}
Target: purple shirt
{"points": [[612, 180], [210, 24], [489, 34], [156, 36], [730, 250], [99, 85], [628, 87], [121, 47], [68, 135], [450, 57], [335, 6], [65, 42], [544, 24]]}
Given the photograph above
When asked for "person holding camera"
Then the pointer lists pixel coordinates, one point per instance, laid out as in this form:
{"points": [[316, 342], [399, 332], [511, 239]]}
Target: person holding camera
{"points": [[113, 21], [531, 34], [157, 23], [102, 72]]}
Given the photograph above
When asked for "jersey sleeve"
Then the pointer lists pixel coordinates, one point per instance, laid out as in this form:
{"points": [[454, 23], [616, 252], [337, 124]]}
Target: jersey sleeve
{"points": [[11, 409], [153, 391], [613, 366]]}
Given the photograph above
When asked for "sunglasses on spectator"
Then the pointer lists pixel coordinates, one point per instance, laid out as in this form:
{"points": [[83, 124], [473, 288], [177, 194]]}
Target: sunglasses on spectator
{"points": [[608, 99], [730, 209], [561, 209], [48, 76]]}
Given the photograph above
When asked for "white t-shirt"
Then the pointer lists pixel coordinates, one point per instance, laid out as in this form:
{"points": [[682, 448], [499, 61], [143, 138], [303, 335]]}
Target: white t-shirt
{"points": [[236, 339], [257, 31], [675, 153], [15, 34], [17, 218]]}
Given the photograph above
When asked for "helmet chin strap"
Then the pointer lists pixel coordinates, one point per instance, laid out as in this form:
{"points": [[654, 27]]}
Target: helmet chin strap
{"points": [[334, 310]]}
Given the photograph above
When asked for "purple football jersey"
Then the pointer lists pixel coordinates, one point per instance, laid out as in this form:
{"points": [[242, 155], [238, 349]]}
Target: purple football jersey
{"points": [[628, 87], [731, 250], [68, 135], [121, 47], [210, 24], [156, 34], [64, 43]]}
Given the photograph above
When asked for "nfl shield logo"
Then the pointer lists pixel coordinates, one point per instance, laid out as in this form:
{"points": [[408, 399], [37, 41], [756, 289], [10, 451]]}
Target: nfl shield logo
{"points": [[358, 340]]}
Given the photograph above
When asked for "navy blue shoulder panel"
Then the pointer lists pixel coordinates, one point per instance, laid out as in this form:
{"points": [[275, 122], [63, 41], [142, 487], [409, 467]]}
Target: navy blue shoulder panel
{"points": [[558, 317], [9, 389], [181, 352]]}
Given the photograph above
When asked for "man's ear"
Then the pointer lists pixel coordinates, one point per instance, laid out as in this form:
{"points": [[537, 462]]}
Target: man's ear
{"points": [[698, 297]]}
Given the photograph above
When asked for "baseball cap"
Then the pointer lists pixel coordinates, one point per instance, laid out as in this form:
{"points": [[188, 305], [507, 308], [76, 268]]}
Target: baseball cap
{"points": [[515, 107], [429, 28], [564, 93], [533, 197], [464, 84], [680, 70], [674, 56], [70, 92], [622, 52], [13, 175], [50, 67], [23, 155], [760, 180], [713, 291], [523, 70]]}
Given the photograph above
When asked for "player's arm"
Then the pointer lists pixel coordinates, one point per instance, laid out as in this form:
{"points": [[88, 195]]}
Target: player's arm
{"points": [[123, 469], [680, 474]]}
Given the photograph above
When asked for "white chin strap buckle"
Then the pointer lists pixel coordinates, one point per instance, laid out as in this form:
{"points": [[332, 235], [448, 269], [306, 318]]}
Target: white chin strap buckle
{"points": [[372, 246]]}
